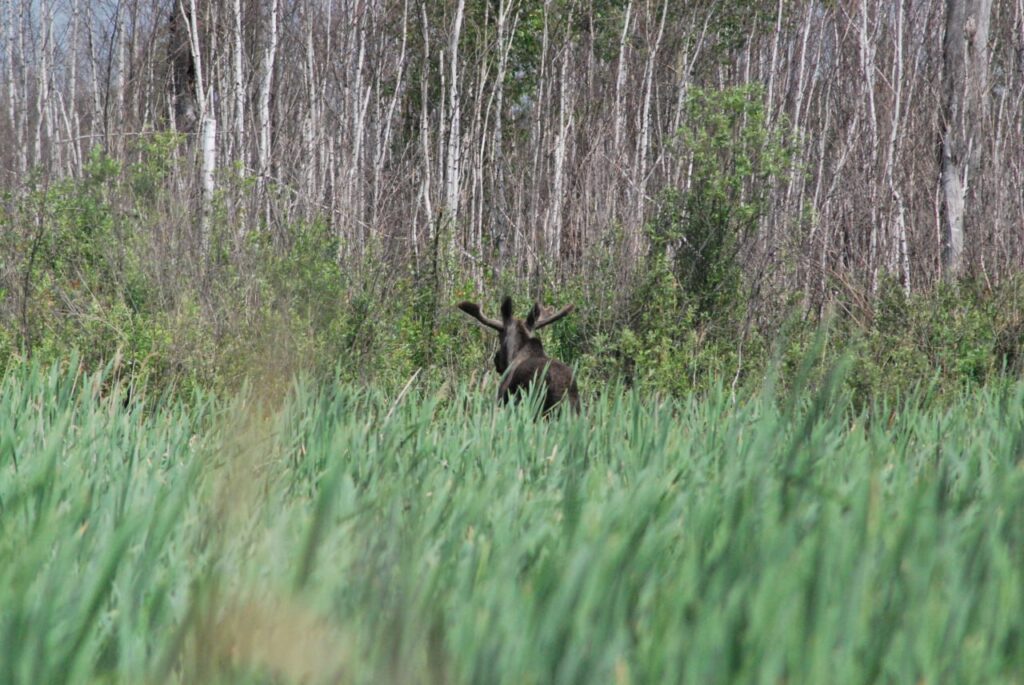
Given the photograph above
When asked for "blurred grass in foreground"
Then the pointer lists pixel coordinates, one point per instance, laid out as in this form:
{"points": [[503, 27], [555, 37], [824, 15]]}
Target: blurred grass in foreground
{"points": [[340, 535]]}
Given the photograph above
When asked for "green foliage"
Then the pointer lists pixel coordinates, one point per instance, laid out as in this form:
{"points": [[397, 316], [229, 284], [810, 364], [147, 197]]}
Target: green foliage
{"points": [[957, 336], [348, 535], [80, 281], [82, 236], [735, 156], [82, 273], [690, 300], [147, 176], [734, 21]]}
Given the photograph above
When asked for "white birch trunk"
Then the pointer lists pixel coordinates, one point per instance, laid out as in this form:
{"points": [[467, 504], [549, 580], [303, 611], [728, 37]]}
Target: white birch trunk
{"points": [[209, 168], [801, 87], [384, 144], [620, 80], [482, 111], [266, 84], [311, 120], [121, 81], [774, 62], [644, 142], [11, 25], [426, 188], [499, 210], [533, 241], [238, 85], [966, 85], [360, 100], [897, 216], [453, 173], [867, 60], [97, 105], [74, 125], [553, 230], [42, 86], [192, 26]]}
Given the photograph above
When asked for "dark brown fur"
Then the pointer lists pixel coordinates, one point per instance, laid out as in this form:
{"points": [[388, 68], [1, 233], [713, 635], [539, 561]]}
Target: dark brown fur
{"points": [[521, 358]]}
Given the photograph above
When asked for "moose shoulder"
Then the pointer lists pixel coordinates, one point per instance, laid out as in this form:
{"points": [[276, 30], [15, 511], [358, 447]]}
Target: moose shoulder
{"points": [[520, 357]]}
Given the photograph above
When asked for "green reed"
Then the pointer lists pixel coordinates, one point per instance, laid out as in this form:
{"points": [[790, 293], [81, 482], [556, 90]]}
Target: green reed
{"points": [[340, 534]]}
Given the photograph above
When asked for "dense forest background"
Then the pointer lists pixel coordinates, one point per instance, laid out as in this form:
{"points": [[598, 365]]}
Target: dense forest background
{"points": [[204, 192]]}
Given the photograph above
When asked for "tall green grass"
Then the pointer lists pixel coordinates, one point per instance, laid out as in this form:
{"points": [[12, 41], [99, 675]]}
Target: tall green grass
{"points": [[341, 535]]}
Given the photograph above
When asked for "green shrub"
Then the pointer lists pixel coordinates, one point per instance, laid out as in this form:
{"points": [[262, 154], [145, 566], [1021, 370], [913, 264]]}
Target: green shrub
{"points": [[735, 158], [84, 271]]}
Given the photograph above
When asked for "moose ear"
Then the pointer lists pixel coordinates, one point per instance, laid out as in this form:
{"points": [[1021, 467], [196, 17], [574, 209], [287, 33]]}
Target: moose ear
{"points": [[506, 308], [533, 316]]}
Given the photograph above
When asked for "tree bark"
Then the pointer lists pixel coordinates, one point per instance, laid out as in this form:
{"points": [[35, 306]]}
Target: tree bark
{"points": [[453, 163], [238, 83], [267, 82], [965, 85], [209, 167]]}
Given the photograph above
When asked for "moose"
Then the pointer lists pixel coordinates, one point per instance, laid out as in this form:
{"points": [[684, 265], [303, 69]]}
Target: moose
{"points": [[520, 357]]}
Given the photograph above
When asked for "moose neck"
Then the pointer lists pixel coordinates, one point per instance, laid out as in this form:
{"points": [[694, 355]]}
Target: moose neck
{"points": [[533, 347]]}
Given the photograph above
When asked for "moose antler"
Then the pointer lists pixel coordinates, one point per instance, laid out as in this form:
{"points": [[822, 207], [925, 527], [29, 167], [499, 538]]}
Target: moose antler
{"points": [[473, 309], [544, 317]]}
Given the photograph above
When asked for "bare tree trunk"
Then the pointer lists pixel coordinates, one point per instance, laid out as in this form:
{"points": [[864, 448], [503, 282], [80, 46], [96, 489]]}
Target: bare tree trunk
{"points": [[266, 84], [892, 158], [43, 128], [553, 228], [120, 83], [773, 67], [97, 105], [384, 143], [478, 150], [238, 84], [620, 80], [358, 101], [426, 187], [538, 132], [644, 141], [74, 125], [453, 171], [965, 85], [12, 24], [499, 209], [311, 121], [209, 167], [194, 42], [867, 59]]}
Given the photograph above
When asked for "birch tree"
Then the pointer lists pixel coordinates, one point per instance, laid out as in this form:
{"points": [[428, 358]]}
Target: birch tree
{"points": [[453, 156], [266, 85], [544, 132], [965, 87], [238, 83]]}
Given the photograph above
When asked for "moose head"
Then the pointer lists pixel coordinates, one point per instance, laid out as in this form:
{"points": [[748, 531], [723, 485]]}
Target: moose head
{"points": [[520, 356]]}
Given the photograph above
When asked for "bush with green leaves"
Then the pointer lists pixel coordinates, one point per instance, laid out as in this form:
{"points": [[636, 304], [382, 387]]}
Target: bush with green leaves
{"points": [[79, 281], [957, 337], [736, 154], [83, 269], [690, 326]]}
